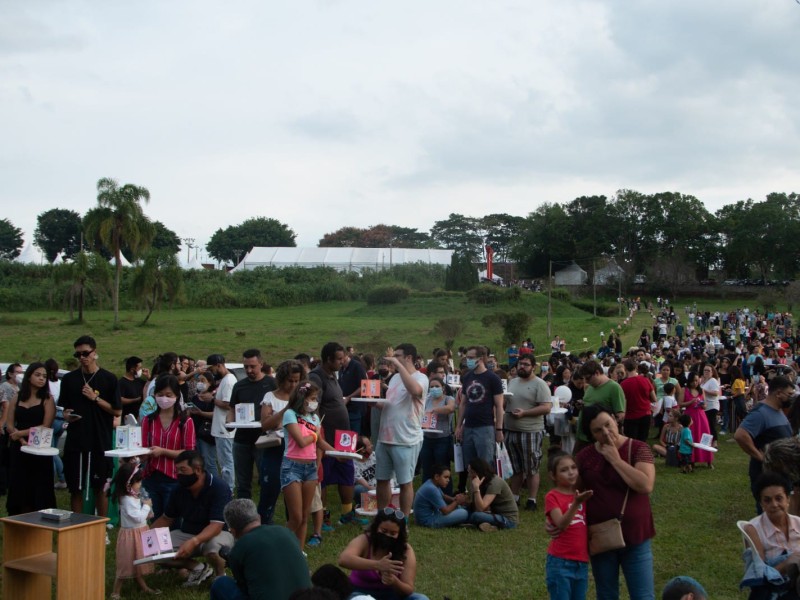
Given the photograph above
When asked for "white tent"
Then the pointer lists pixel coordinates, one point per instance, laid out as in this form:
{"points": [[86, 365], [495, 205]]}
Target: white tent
{"points": [[611, 273], [341, 259], [31, 255], [495, 277], [189, 265], [123, 261], [571, 275]]}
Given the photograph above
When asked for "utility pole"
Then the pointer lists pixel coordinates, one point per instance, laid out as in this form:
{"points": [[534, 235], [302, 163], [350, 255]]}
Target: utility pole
{"points": [[549, 299]]}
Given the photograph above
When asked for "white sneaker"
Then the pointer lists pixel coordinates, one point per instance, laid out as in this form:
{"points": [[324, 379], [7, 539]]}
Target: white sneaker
{"points": [[108, 541], [198, 576]]}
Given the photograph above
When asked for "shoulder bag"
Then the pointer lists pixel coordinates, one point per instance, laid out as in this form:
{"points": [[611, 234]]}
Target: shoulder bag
{"points": [[607, 535]]}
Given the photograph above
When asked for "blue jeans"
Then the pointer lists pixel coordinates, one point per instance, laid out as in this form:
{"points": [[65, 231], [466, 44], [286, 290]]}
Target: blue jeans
{"points": [[454, 518], [566, 579], [209, 454], [478, 442], [225, 588], [724, 404], [637, 567], [436, 451], [159, 486], [270, 481], [245, 457], [499, 521], [58, 464], [224, 448]]}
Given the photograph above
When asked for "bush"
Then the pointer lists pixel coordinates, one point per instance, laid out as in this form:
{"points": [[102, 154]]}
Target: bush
{"points": [[513, 294], [561, 293], [515, 325], [485, 294], [604, 309], [387, 294]]}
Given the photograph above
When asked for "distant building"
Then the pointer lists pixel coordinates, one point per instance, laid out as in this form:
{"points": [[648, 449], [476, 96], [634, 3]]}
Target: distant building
{"points": [[571, 275], [342, 259]]}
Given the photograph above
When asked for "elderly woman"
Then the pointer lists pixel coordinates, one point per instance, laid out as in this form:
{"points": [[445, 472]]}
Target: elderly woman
{"points": [[776, 533], [620, 471]]}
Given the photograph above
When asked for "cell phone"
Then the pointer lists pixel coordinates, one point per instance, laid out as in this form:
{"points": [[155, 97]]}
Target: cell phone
{"points": [[190, 405], [72, 417]]}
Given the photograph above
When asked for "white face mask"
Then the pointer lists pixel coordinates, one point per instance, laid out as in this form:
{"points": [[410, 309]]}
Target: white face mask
{"points": [[19, 377], [201, 387], [312, 406], [139, 373]]}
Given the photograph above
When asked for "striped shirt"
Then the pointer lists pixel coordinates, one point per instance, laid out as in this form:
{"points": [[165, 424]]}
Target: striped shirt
{"points": [[176, 437]]}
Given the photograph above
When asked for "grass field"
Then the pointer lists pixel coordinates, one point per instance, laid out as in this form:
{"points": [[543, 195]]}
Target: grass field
{"points": [[695, 514]]}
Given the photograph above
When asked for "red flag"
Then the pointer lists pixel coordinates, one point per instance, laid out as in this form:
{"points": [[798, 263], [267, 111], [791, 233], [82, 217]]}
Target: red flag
{"points": [[489, 265]]}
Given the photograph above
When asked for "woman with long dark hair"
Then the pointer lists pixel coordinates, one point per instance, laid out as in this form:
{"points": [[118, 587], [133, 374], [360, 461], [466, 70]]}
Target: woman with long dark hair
{"points": [[381, 560], [167, 432], [30, 477]]}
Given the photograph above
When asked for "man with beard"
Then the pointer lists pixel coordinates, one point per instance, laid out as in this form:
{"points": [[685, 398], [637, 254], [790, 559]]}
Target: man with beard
{"points": [[90, 393], [764, 424], [524, 427]]}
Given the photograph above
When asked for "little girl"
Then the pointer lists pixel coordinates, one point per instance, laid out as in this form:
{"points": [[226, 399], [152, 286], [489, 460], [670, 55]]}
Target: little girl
{"points": [[299, 466], [670, 439], [134, 512], [686, 448], [567, 566]]}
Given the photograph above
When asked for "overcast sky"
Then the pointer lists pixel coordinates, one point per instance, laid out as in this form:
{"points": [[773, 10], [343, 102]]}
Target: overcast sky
{"points": [[323, 114]]}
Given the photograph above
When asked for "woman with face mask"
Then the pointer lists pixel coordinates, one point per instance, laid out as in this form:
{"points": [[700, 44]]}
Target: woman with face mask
{"points": [[201, 410], [381, 560], [167, 432], [436, 445]]}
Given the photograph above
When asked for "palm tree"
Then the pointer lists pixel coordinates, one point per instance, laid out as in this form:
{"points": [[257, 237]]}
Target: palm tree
{"points": [[88, 273], [117, 220], [158, 276]]}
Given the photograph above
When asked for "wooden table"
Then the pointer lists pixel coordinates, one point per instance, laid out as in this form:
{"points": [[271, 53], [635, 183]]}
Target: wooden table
{"points": [[38, 553]]}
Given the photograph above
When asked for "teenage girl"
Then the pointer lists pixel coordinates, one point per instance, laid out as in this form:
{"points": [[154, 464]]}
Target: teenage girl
{"points": [[299, 467], [133, 511], [567, 566]]}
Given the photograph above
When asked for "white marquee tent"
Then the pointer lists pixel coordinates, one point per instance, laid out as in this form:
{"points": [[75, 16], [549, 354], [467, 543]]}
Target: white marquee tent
{"points": [[342, 259], [31, 255]]}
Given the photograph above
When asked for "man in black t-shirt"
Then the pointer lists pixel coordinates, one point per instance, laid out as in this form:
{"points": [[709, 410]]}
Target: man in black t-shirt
{"points": [[250, 390], [90, 401], [350, 376], [131, 387]]}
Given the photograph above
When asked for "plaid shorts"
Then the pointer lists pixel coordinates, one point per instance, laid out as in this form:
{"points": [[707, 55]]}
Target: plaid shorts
{"points": [[524, 449]]}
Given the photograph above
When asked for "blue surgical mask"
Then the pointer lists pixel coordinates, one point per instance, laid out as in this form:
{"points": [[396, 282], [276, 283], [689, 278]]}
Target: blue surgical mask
{"points": [[471, 362], [435, 392]]}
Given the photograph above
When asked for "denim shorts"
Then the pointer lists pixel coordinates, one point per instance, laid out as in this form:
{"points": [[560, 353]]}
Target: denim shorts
{"points": [[293, 471], [399, 461]]}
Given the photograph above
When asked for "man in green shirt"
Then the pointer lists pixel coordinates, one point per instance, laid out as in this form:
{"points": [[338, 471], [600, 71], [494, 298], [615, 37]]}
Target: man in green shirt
{"points": [[266, 561], [603, 391]]}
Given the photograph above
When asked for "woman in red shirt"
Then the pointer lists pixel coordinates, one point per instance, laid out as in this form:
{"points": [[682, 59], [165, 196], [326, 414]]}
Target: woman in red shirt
{"points": [[616, 467], [167, 432]]}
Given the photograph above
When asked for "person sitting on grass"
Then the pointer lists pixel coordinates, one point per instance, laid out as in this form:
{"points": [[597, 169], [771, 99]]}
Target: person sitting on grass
{"points": [[266, 561], [381, 561], [432, 508], [198, 503], [490, 500], [670, 439]]}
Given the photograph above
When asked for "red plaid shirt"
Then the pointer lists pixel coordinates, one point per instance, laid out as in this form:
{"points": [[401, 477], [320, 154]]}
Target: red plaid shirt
{"points": [[153, 434]]}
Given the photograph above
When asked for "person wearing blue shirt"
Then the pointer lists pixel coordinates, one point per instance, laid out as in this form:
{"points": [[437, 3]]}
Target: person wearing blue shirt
{"points": [[432, 508]]}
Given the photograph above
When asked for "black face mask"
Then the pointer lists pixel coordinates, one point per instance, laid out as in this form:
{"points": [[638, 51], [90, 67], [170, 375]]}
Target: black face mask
{"points": [[383, 373], [384, 542], [187, 481]]}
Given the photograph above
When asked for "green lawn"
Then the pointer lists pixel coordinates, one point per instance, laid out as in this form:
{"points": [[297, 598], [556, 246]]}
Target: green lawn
{"points": [[695, 514]]}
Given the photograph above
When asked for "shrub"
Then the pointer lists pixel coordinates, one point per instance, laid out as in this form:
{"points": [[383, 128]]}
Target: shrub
{"points": [[485, 294], [604, 309], [449, 328], [515, 325], [391, 293], [561, 293]]}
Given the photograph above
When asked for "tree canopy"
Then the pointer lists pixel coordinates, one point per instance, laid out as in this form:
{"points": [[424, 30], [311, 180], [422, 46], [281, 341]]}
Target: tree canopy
{"points": [[10, 240], [376, 236], [58, 230], [232, 243]]}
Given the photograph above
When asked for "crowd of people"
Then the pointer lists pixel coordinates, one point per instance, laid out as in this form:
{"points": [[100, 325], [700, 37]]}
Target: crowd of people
{"points": [[472, 427]]}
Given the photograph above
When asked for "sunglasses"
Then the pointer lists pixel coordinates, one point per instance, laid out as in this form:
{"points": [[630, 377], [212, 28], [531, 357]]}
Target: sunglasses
{"points": [[398, 514], [83, 354]]}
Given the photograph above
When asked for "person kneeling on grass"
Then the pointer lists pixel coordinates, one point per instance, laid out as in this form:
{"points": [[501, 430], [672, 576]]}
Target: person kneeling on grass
{"points": [[432, 508], [490, 499], [266, 561], [199, 502], [382, 562]]}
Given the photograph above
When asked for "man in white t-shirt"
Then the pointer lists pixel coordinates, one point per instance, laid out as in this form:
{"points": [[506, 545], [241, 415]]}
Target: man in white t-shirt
{"points": [[223, 437], [400, 434]]}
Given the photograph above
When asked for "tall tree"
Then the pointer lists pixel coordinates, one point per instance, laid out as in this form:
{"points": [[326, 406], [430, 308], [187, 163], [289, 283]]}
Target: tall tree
{"points": [[10, 240], [118, 218], [543, 237], [58, 230], [461, 275], [500, 231], [459, 233], [376, 236], [232, 243], [158, 278]]}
